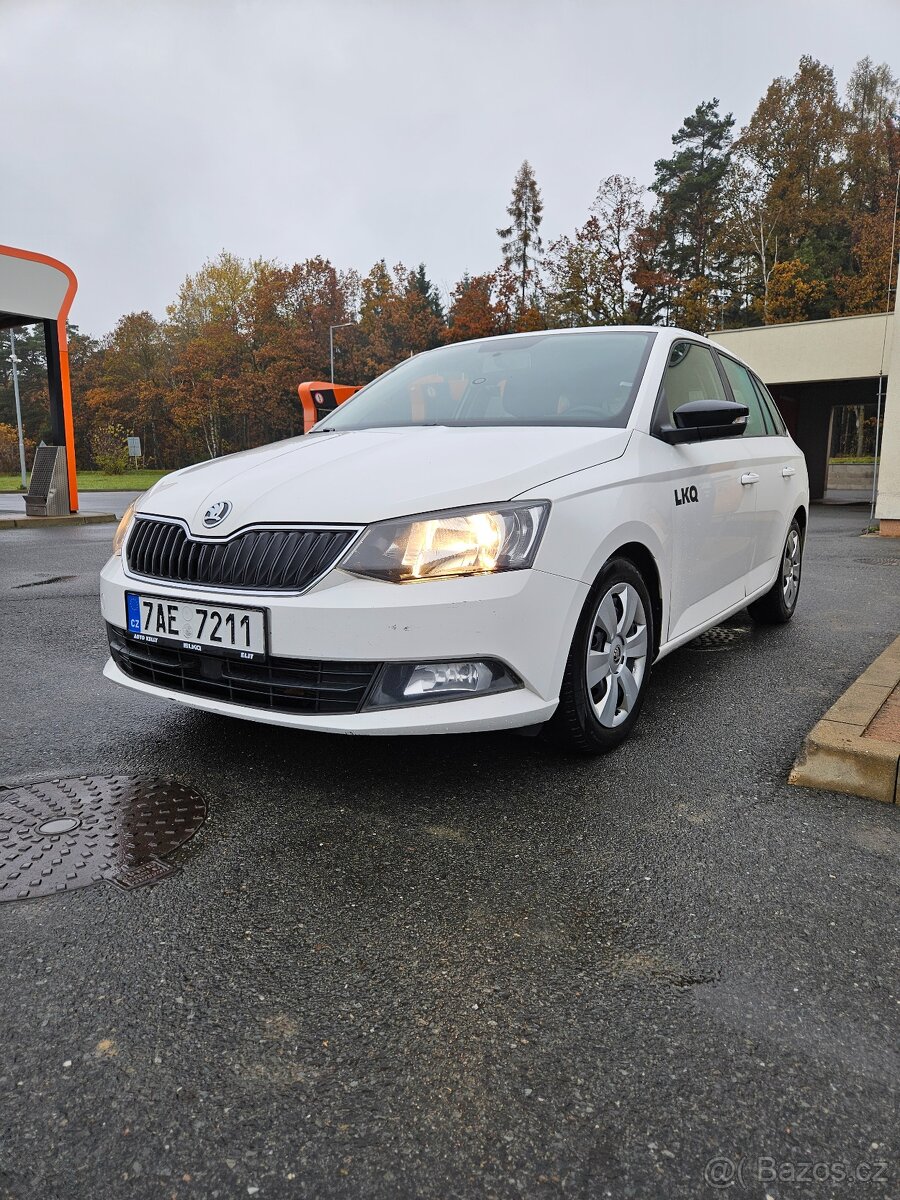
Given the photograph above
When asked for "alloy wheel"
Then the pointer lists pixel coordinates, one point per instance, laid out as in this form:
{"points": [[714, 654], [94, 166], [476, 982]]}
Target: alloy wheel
{"points": [[790, 569], [617, 654]]}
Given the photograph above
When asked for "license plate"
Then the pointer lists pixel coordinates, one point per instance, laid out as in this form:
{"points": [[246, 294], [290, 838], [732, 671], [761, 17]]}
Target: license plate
{"points": [[196, 625]]}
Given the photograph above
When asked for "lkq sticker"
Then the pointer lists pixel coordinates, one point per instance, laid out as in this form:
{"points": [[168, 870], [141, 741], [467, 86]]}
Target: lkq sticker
{"points": [[686, 495]]}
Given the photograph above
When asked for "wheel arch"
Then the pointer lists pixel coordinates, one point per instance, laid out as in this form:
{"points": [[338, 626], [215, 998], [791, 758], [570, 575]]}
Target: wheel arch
{"points": [[641, 557]]}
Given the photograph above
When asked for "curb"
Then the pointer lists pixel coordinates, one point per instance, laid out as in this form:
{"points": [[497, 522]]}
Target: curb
{"points": [[838, 757], [43, 522]]}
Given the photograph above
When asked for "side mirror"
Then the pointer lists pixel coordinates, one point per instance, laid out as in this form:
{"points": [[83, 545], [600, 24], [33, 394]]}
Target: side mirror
{"points": [[704, 420]]}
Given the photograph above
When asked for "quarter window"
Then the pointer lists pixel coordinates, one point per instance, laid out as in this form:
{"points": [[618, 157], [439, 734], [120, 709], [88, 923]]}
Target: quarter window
{"points": [[745, 393], [770, 407]]}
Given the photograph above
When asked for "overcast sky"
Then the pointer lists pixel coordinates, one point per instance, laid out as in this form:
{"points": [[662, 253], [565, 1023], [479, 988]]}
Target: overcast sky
{"points": [[140, 138]]}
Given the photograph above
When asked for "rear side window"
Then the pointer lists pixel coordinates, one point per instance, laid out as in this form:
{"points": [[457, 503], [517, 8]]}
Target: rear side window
{"points": [[746, 393], [770, 406], [690, 375]]}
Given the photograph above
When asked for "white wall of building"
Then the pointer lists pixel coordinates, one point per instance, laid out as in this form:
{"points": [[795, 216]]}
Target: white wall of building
{"points": [[813, 351], [887, 507]]}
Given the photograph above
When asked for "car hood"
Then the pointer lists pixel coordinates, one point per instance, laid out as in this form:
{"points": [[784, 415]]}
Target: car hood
{"points": [[359, 476]]}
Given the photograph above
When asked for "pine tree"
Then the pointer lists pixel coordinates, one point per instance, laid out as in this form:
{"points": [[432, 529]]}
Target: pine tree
{"points": [[521, 241], [419, 279], [689, 186]]}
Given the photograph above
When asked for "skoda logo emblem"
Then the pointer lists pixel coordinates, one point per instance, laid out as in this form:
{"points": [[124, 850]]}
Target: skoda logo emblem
{"points": [[216, 513]]}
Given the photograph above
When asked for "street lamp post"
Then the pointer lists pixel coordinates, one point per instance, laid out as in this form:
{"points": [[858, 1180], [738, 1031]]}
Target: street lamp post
{"points": [[15, 379], [331, 329]]}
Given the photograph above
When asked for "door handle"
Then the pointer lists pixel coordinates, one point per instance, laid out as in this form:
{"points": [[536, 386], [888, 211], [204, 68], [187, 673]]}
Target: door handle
{"points": [[749, 477], [787, 472]]}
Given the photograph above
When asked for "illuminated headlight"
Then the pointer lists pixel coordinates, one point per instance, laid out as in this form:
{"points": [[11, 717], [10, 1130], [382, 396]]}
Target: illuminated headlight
{"points": [[469, 541], [424, 683], [124, 525]]}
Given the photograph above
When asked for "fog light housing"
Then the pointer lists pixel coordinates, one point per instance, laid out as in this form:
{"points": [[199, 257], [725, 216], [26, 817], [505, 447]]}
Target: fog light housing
{"points": [[402, 684]]}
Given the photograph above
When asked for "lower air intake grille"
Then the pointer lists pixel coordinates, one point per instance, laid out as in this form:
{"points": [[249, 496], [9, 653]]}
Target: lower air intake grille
{"points": [[290, 685], [265, 560]]}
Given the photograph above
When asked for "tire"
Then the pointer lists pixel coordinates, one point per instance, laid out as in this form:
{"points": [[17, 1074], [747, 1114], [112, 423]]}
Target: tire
{"points": [[615, 632], [779, 603]]}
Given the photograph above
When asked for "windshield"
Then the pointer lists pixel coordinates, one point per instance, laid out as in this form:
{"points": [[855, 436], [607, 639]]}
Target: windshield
{"points": [[537, 379]]}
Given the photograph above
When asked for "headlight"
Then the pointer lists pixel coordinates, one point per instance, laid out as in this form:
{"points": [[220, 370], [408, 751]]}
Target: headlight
{"points": [[125, 524], [469, 541]]}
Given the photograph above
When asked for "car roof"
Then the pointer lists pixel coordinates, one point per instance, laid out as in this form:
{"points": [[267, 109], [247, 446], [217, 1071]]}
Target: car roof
{"points": [[667, 332], [664, 334]]}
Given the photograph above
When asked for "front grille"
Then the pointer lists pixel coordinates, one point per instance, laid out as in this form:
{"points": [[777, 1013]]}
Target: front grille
{"points": [[289, 685], [266, 560]]}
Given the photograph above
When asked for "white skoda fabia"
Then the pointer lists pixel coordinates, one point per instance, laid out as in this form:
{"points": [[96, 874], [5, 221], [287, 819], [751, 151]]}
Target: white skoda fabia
{"points": [[497, 534]]}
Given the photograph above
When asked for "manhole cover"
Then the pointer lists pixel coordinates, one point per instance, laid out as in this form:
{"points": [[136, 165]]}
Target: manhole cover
{"points": [[69, 833], [720, 637]]}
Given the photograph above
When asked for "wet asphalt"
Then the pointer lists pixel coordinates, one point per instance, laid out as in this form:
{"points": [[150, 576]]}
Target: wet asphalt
{"points": [[461, 967]]}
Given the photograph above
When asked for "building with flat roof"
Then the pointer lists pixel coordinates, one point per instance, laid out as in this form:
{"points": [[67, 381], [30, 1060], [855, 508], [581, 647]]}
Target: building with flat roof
{"points": [[832, 380]]}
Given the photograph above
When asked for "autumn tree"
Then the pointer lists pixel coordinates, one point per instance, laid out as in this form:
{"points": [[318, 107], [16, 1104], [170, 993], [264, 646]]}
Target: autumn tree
{"points": [[291, 310], [872, 166], [9, 450], [863, 287], [592, 274], [794, 142], [520, 240], [396, 319], [652, 281], [751, 234], [86, 357], [215, 391], [473, 312], [132, 384], [870, 136], [792, 291], [216, 294]]}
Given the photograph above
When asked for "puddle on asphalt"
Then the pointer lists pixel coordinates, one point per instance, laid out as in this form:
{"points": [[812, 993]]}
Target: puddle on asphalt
{"points": [[42, 582]]}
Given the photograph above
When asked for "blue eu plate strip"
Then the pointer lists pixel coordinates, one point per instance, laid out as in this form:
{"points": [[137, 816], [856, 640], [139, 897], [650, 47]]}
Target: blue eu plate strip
{"points": [[133, 609]]}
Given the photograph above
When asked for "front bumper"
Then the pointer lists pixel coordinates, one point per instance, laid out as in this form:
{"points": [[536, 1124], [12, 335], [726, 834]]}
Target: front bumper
{"points": [[526, 619]]}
